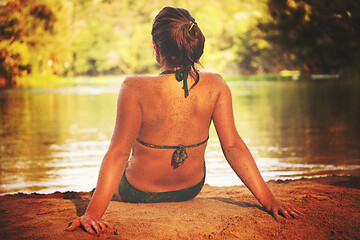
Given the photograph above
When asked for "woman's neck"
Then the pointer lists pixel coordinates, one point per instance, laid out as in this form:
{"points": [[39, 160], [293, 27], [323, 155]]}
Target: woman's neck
{"points": [[167, 68]]}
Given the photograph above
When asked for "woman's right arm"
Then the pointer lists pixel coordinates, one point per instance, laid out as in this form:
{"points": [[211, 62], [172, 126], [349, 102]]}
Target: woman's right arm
{"points": [[128, 121], [240, 158]]}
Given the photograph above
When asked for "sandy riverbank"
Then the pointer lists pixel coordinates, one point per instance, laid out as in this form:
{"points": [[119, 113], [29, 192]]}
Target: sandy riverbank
{"points": [[332, 203]]}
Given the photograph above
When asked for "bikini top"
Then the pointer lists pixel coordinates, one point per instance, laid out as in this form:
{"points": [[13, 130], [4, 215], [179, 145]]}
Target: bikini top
{"points": [[180, 75], [179, 154]]}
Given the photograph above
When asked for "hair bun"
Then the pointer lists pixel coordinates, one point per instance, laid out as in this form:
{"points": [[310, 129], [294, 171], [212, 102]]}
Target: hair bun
{"points": [[178, 43]]}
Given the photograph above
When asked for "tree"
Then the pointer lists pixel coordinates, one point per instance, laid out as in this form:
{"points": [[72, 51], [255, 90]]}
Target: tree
{"points": [[27, 37], [318, 36]]}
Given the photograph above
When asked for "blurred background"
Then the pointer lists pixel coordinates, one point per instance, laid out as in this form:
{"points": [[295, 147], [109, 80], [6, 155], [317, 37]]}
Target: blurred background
{"points": [[293, 67]]}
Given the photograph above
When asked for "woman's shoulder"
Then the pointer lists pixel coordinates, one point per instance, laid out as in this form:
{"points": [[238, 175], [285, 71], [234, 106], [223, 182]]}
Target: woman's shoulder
{"points": [[210, 74], [136, 82], [212, 78], [134, 79]]}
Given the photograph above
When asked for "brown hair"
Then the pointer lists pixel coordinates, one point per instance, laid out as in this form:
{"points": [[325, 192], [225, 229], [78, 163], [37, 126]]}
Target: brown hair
{"points": [[178, 39]]}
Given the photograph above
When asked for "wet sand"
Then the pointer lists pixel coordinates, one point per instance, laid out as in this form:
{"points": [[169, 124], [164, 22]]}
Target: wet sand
{"points": [[332, 203]]}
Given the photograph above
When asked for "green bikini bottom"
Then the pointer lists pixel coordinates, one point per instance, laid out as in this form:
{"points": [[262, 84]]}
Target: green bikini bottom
{"points": [[130, 194]]}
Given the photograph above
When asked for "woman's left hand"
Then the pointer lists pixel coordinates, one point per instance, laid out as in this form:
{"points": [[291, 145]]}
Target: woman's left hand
{"points": [[276, 207], [90, 224]]}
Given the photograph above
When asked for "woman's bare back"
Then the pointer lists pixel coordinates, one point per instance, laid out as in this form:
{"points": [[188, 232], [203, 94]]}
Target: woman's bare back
{"points": [[168, 118]]}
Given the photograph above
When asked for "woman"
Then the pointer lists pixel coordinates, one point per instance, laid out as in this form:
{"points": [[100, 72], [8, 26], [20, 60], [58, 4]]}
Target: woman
{"points": [[165, 124]]}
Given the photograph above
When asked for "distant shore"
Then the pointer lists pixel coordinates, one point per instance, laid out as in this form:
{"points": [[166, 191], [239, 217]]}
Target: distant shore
{"points": [[54, 81], [332, 203]]}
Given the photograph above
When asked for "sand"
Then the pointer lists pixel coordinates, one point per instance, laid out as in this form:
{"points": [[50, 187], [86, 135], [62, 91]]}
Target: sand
{"points": [[332, 203]]}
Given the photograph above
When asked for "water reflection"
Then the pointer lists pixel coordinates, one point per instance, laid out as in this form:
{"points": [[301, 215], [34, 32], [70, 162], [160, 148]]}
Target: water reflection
{"points": [[55, 139], [297, 129]]}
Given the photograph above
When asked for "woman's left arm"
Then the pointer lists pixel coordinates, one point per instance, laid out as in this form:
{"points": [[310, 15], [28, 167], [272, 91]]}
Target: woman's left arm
{"points": [[128, 121], [240, 158]]}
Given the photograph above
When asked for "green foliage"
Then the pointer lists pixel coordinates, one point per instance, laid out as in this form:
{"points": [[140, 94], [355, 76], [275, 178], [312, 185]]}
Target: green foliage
{"points": [[107, 36], [28, 31], [318, 35], [96, 37]]}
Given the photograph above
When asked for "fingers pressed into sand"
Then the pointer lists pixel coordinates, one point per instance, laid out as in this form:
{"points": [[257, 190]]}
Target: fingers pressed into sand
{"points": [[275, 214], [88, 228], [284, 212], [73, 225], [96, 227], [302, 210], [294, 214], [103, 226], [108, 225], [296, 210]]}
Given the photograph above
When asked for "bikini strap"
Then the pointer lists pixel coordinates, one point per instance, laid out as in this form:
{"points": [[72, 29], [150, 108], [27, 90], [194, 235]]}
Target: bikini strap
{"points": [[180, 75], [169, 147], [179, 155]]}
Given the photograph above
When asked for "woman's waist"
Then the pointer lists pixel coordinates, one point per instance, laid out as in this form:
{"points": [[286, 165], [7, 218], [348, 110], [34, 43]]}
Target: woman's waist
{"points": [[156, 176]]}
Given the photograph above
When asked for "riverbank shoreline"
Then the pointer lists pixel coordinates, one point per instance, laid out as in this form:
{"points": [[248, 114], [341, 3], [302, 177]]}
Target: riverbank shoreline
{"points": [[332, 205]]}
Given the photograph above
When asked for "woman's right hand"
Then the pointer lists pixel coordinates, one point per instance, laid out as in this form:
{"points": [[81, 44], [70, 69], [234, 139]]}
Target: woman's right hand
{"points": [[275, 207], [90, 224]]}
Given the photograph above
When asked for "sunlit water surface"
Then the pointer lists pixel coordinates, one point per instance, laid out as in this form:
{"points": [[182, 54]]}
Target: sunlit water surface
{"points": [[55, 139]]}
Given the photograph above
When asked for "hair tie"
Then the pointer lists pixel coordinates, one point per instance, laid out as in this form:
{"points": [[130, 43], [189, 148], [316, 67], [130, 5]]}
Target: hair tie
{"points": [[192, 24]]}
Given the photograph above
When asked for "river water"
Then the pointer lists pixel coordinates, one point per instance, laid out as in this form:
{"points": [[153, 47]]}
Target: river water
{"points": [[54, 139]]}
